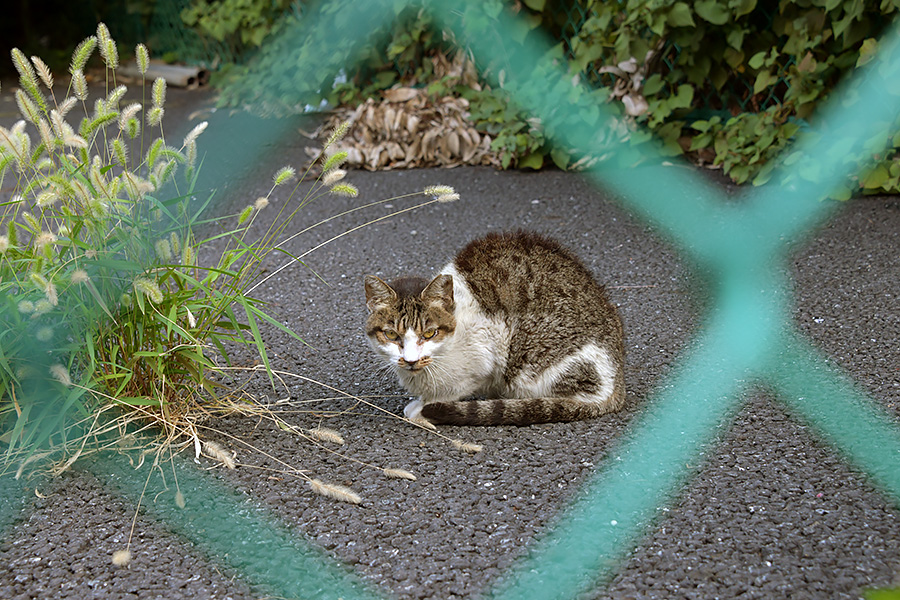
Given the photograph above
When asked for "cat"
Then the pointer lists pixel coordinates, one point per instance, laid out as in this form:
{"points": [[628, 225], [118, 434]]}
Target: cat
{"points": [[516, 319]]}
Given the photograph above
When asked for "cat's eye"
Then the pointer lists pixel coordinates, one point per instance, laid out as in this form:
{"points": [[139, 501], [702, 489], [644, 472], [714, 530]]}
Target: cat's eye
{"points": [[391, 334], [429, 333]]}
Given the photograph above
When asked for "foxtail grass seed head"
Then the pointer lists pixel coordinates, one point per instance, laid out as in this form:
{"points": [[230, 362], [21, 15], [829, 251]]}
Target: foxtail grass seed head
{"points": [[82, 54], [67, 105], [44, 334], [46, 199], [190, 155], [155, 115], [344, 189], [339, 132], [27, 76], [47, 136], [283, 175], [26, 307], [164, 250], [217, 452], [175, 242], [245, 214], [27, 108], [324, 434], [333, 176], [142, 57], [127, 114], [133, 128], [42, 307], [39, 281], [335, 160], [119, 151], [29, 218], [75, 141], [44, 238], [79, 85], [338, 492], [61, 374], [194, 133], [114, 97], [108, 49], [261, 203], [43, 71], [121, 558], [441, 193], [51, 294], [79, 276], [4, 244], [159, 92], [179, 499], [399, 474], [149, 289], [467, 446]]}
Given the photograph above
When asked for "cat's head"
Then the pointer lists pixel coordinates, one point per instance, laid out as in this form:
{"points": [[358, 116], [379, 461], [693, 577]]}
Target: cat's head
{"points": [[410, 319]]}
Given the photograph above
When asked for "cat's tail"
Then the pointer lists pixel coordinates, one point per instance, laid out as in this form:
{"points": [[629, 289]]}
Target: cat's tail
{"points": [[517, 411]]}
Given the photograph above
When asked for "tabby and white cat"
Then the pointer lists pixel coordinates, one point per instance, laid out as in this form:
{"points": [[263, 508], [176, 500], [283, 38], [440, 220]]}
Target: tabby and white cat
{"points": [[516, 319]]}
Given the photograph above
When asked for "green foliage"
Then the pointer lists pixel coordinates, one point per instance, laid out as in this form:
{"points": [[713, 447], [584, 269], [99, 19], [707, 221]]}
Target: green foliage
{"points": [[241, 23], [761, 69]]}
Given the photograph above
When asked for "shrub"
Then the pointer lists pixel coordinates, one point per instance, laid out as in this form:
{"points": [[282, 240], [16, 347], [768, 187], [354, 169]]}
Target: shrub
{"points": [[729, 82]]}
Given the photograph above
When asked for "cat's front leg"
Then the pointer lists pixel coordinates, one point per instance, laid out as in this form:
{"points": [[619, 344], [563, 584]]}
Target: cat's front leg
{"points": [[413, 412]]}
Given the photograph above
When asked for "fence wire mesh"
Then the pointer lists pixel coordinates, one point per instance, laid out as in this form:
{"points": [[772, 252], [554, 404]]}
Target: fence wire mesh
{"points": [[747, 338]]}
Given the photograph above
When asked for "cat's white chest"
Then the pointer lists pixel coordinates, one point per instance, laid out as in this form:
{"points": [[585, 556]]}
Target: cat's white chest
{"points": [[473, 360]]}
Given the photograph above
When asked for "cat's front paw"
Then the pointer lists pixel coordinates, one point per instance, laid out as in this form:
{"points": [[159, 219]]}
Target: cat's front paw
{"points": [[413, 412]]}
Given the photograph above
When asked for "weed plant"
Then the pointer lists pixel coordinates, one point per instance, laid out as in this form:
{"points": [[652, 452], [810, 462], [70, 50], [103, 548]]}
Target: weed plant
{"points": [[103, 305]]}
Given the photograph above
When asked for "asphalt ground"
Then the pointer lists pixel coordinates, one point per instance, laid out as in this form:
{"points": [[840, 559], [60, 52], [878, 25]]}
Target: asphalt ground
{"points": [[770, 512]]}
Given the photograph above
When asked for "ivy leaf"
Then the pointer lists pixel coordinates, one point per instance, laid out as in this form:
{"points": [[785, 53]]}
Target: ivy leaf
{"points": [[712, 11], [534, 160], [756, 61], [560, 158], [867, 51], [763, 79], [743, 7], [680, 16], [876, 178], [653, 84], [536, 5], [841, 193]]}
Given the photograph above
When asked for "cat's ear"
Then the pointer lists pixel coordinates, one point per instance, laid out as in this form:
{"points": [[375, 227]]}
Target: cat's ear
{"points": [[440, 292], [378, 293]]}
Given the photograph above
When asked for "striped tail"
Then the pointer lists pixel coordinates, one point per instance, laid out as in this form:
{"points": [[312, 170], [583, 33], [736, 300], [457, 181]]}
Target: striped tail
{"points": [[506, 411]]}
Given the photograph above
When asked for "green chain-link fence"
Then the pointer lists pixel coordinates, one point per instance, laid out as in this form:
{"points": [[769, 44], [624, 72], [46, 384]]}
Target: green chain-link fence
{"points": [[747, 337]]}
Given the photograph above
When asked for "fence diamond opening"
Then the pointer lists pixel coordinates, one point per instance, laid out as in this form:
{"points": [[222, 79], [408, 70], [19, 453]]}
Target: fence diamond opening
{"points": [[747, 338]]}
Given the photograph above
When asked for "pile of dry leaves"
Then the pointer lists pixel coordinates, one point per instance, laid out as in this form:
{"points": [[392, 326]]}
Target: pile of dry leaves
{"points": [[408, 128]]}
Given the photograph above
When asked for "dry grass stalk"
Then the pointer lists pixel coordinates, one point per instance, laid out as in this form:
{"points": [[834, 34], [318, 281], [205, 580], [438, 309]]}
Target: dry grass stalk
{"points": [[399, 474], [331, 490], [469, 447], [324, 434], [217, 452]]}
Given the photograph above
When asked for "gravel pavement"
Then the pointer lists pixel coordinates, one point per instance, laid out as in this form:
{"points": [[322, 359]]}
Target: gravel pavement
{"points": [[772, 512]]}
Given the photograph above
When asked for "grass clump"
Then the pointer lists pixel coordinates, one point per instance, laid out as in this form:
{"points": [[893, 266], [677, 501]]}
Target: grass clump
{"points": [[103, 305]]}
